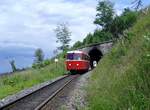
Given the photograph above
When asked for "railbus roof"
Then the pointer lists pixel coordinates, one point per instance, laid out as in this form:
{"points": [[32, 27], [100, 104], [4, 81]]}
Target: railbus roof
{"points": [[77, 51]]}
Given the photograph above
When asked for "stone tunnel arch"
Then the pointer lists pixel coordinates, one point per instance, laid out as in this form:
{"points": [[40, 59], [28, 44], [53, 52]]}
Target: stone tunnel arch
{"points": [[95, 55]]}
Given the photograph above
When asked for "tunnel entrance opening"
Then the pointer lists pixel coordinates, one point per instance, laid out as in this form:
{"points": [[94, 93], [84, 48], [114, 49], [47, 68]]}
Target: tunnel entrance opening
{"points": [[95, 55]]}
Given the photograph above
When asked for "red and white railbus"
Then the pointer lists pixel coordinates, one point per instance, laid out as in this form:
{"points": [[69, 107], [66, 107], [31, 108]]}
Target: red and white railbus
{"points": [[77, 61]]}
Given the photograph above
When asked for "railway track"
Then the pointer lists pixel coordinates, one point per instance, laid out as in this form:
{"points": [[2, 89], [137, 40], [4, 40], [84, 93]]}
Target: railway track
{"points": [[39, 99]]}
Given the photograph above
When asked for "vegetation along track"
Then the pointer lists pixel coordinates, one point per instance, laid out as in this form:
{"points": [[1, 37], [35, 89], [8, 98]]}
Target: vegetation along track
{"points": [[38, 99]]}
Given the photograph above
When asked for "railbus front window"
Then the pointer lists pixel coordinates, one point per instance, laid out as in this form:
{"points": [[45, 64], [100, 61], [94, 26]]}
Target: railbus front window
{"points": [[77, 57], [73, 56], [70, 56]]}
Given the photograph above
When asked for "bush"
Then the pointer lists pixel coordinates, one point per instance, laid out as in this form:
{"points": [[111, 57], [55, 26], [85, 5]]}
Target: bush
{"points": [[41, 64], [46, 62]]}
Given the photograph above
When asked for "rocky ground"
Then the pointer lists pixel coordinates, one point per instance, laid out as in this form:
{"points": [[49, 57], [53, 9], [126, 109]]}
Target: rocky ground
{"points": [[76, 99]]}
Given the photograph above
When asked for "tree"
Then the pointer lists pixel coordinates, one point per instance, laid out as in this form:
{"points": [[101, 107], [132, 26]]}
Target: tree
{"points": [[88, 40], [123, 22], [137, 4], [63, 36], [39, 55], [77, 45], [104, 14], [101, 36], [13, 66]]}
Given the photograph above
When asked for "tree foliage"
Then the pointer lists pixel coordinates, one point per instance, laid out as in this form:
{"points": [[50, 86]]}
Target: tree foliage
{"points": [[77, 44], [39, 55], [96, 37], [137, 4], [88, 39], [42, 64], [39, 61], [104, 14], [63, 36], [123, 22], [13, 66], [112, 26], [101, 36]]}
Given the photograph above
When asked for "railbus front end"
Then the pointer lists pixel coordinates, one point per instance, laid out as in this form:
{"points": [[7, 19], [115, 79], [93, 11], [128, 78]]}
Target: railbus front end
{"points": [[77, 61]]}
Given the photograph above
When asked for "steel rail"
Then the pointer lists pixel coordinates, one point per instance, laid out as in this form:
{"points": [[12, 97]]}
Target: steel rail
{"points": [[17, 100], [54, 94]]}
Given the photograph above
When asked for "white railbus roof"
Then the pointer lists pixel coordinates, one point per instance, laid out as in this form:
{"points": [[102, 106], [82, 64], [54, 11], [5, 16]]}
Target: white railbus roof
{"points": [[75, 51]]}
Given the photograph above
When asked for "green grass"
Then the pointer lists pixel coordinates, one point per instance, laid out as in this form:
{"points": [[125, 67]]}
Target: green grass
{"points": [[21, 80], [122, 79]]}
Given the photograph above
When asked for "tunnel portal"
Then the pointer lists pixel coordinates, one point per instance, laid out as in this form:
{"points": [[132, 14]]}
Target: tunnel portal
{"points": [[95, 55]]}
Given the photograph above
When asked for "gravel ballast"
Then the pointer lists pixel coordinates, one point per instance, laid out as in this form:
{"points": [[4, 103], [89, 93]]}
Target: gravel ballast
{"points": [[76, 99]]}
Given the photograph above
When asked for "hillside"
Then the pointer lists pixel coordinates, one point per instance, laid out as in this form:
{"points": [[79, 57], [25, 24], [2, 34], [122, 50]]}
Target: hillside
{"points": [[122, 79]]}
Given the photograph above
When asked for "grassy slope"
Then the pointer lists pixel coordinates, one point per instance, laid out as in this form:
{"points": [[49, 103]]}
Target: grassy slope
{"points": [[122, 79], [19, 81]]}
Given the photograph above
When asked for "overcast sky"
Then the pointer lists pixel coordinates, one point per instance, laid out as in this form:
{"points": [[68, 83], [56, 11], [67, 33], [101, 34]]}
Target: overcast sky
{"points": [[26, 25]]}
